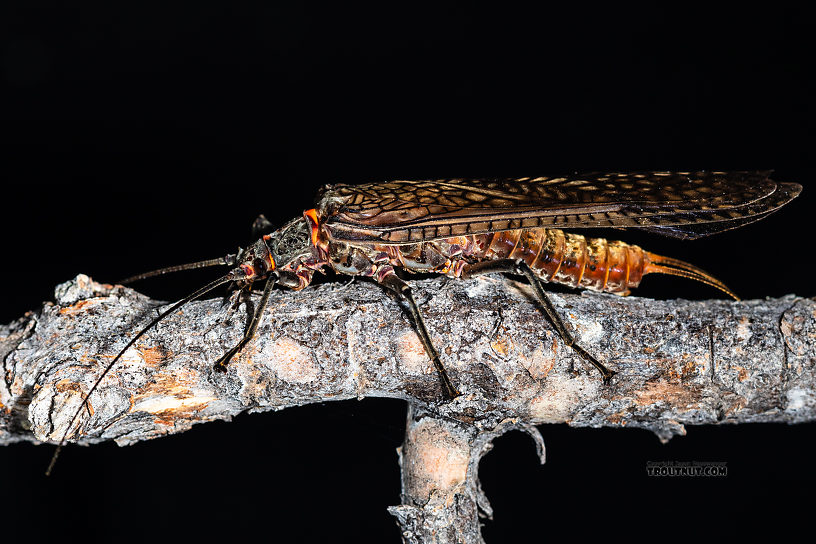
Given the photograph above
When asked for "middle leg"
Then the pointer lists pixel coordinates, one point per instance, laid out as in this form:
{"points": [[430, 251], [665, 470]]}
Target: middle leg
{"points": [[403, 291]]}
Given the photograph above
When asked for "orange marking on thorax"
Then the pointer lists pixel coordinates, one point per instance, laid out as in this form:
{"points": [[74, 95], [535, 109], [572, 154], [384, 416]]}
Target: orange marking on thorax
{"points": [[311, 215], [272, 265]]}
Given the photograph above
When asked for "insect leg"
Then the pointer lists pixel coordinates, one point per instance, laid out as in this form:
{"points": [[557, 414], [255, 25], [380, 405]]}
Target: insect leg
{"points": [[241, 294], [521, 268], [403, 291], [253, 326]]}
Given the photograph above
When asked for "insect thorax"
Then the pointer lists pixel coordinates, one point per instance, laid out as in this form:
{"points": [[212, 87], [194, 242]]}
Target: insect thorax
{"points": [[290, 242]]}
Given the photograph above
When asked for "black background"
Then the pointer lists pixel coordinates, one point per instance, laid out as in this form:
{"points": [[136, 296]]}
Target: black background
{"points": [[134, 138]]}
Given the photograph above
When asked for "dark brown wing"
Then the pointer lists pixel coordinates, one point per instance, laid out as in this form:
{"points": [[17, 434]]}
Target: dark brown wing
{"points": [[678, 204]]}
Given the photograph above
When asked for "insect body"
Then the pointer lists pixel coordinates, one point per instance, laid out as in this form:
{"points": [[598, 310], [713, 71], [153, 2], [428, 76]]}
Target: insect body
{"points": [[466, 227]]}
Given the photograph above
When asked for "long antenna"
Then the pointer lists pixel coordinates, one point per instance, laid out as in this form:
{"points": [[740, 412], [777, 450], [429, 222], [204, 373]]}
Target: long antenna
{"points": [[200, 292], [226, 260]]}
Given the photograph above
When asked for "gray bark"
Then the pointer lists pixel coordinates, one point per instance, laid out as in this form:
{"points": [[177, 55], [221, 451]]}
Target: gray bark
{"points": [[678, 363]]}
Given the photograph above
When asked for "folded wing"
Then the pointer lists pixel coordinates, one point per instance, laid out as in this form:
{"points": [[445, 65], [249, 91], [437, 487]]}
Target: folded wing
{"points": [[678, 204]]}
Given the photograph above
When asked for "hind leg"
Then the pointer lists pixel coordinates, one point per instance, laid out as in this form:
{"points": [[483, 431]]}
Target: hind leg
{"points": [[519, 267]]}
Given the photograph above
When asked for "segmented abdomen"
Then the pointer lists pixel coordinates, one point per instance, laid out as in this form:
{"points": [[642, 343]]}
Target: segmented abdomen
{"points": [[571, 259], [554, 255]]}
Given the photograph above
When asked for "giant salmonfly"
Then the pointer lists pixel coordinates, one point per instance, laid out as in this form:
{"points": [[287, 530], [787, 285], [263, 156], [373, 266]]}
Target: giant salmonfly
{"points": [[464, 227]]}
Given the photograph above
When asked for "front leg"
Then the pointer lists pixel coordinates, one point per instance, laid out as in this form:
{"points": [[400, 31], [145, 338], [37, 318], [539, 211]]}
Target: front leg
{"points": [[403, 291], [221, 364], [521, 268]]}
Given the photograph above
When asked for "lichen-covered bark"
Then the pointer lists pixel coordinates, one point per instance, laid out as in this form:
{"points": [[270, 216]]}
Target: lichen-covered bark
{"points": [[677, 362]]}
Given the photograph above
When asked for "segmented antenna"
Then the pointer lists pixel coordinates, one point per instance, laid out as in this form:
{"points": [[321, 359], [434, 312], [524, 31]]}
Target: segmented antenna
{"points": [[226, 260], [232, 276]]}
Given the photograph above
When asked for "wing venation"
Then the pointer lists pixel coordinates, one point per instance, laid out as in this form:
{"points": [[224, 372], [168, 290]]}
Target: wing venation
{"points": [[677, 204]]}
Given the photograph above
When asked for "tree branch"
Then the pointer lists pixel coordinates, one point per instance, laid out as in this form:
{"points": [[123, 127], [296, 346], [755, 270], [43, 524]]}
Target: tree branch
{"points": [[678, 363]]}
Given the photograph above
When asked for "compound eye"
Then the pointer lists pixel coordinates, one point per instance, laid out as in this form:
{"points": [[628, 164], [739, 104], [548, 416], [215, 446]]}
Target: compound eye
{"points": [[259, 265]]}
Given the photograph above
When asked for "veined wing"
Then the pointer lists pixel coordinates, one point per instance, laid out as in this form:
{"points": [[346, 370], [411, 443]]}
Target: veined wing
{"points": [[678, 204]]}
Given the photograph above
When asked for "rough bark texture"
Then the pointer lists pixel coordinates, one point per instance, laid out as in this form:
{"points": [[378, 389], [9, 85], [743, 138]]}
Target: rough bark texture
{"points": [[678, 363]]}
